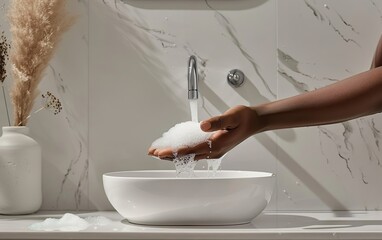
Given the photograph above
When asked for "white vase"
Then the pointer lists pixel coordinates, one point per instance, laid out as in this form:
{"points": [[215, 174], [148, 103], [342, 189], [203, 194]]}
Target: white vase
{"points": [[20, 172]]}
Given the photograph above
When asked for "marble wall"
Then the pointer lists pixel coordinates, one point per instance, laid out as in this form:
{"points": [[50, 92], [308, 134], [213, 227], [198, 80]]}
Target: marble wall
{"points": [[321, 42], [121, 73]]}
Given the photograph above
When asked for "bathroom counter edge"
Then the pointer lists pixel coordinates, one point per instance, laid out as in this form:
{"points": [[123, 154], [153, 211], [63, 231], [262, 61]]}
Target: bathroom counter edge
{"points": [[269, 225]]}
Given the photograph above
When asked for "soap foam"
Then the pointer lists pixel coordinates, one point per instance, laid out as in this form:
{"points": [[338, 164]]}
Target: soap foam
{"points": [[185, 134], [69, 223]]}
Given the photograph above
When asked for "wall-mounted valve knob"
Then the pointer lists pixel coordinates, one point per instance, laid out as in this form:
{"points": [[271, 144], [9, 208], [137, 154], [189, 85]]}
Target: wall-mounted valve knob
{"points": [[235, 78]]}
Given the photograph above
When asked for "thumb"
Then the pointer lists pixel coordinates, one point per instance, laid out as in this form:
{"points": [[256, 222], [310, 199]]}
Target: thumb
{"points": [[225, 121]]}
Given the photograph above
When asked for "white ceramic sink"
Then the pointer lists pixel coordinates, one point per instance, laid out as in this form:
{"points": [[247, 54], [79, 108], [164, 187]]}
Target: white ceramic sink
{"points": [[160, 198]]}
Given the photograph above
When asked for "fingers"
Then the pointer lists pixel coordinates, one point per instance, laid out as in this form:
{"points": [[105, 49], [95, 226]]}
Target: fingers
{"points": [[151, 151], [225, 121], [202, 151], [164, 154], [198, 149], [168, 153], [205, 150]]}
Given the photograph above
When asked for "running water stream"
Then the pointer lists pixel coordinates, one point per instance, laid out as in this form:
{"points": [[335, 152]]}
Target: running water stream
{"points": [[188, 164], [194, 110], [188, 134]]}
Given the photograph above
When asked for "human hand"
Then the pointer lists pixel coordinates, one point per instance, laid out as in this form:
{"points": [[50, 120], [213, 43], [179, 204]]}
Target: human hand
{"points": [[232, 127]]}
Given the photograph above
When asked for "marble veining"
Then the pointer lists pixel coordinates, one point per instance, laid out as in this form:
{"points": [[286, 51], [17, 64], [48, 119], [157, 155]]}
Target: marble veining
{"points": [[80, 162], [299, 86], [376, 133], [376, 7], [346, 23], [371, 144], [66, 175], [315, 11], [82, 186], [322, 17], [294, 65], [347, 133], [167, 41], [289, 61], [310, 47], [342, 35], [158, 34], [230, 30], [343, 153], [368, 133], [147, 39]]}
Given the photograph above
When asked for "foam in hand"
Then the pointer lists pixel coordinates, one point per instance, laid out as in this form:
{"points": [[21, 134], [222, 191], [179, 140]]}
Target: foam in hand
{"points": [[185, 134]]}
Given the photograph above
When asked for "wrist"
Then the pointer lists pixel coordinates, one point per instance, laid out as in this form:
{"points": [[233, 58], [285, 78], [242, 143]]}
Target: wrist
{"points": [[260, 122]]}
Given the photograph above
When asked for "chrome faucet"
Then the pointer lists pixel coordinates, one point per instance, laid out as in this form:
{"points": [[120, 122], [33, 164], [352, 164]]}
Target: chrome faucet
{"points": [[192, 78]]}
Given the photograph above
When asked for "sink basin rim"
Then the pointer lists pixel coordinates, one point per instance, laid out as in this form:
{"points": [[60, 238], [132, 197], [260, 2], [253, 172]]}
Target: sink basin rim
{"points": [[161, 175]]}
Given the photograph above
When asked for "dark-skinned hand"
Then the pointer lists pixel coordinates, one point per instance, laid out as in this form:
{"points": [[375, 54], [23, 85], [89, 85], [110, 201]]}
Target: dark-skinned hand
{"points": [[230, 129]]}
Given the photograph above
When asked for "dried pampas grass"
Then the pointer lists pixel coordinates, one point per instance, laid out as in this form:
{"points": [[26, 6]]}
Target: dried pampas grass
{"points": [[4, 47], [36, 28]]}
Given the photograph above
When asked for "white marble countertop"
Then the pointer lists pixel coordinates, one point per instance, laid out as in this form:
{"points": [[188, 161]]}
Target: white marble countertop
{"points": [[270, 225]]}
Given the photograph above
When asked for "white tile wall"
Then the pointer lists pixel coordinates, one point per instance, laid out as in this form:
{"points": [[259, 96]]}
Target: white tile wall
{"points": [[121, 74]]}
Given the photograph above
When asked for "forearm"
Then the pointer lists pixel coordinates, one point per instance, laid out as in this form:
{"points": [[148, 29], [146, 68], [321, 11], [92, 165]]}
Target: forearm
{"points": [[353, 97]]}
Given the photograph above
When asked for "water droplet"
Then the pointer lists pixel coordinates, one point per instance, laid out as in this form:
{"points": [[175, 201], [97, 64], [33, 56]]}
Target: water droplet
{"points": [[166, 18], [334, 234], [297, 183], [185, 164], [209, 142], [326, 6], [284, 191]]}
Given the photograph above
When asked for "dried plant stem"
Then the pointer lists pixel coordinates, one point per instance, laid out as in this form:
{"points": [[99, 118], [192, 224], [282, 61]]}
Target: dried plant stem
{"points": [[6, 105], [29, 116], [4, 57]]}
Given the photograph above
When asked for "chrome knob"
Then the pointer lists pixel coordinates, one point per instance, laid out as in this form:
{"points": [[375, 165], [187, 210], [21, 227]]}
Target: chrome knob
{"points": [[235, 78]]}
